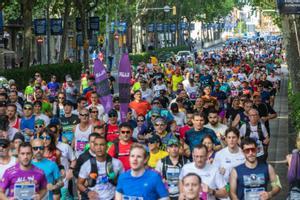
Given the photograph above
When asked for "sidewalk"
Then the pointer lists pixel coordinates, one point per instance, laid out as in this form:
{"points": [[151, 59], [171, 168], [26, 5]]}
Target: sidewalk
{"points": [[280, 140]]}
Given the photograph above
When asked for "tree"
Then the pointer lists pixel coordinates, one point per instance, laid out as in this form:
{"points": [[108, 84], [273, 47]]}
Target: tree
{"points": [[27, 6]]}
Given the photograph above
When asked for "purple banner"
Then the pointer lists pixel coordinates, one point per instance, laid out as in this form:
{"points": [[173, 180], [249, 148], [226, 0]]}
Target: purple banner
{"points": [[124, 85], [102, 85]]}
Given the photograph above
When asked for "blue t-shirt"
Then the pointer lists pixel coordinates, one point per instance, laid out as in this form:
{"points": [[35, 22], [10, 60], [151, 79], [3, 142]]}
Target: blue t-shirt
{"points": [[193, 138], [149, 186], [51, 171], [27, 124]]}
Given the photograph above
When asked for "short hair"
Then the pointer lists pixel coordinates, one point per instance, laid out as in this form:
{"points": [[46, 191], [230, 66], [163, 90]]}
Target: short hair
{"points": [[139, 146], [12, 105], [24, 145], [125, 125], [192, 174], [212, 110], [199, 114], [16, 93], [96, 135], [233, 130], [248, 141], [81, 99], [201, 146]]}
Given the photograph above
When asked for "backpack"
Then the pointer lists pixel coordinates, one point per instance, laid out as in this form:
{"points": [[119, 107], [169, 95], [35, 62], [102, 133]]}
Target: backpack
{"points": [[117, 148], [294, 193], [259, 131], [166, 161], [112, 178]]}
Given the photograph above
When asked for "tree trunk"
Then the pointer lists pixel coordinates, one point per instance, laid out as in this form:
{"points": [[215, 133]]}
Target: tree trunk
{"points": [[81, 6], [292, 49], [27, 21], [65, 31]]}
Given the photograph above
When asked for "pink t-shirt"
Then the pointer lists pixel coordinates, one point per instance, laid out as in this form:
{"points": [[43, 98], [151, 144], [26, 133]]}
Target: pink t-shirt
{"points": [[15, 175]]}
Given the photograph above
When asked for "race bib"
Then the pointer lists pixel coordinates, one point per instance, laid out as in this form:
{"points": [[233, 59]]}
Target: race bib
{"points": [[125, 197], [80, 145], [252, 193]]}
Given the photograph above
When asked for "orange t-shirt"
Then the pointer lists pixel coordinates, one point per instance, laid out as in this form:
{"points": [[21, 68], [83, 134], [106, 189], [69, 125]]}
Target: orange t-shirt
{"points": [[141, 108]]}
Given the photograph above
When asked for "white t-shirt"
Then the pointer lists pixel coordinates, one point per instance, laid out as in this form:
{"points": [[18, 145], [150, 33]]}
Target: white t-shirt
{"points": [[210, 176], [218, 129], [179, 118], [11, 163], [103, 187], [81, 139], [147, 94], [225, 159], [157, 89], [254, 135]]}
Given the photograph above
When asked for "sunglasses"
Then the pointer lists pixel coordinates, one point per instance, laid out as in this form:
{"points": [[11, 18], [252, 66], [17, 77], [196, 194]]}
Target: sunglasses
{"points": [[4, 146], [156, 103], [247, 151], [155, 116], [94, 111], [47, 137], [61, 97], [140, 120], [38, 148], [27, 108], [112, 115], [125, 132], [84, 115], [38, 126], [159, 124]]}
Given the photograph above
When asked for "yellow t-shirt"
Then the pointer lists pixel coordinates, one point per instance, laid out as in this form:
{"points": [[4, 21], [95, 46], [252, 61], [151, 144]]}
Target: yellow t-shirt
{"points": [[154, 158], [176, 80]]}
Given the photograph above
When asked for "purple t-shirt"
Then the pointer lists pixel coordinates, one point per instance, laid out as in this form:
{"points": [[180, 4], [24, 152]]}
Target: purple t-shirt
{"points": [[15, 175]]}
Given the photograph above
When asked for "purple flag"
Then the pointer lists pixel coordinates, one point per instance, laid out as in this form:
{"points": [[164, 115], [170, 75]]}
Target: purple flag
{"points": [[102, 84], [124, 85]]}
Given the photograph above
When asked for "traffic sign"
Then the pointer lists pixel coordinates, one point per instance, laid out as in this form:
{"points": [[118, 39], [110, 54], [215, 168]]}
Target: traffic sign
{"points": [[40, 26], [288, 6], [173, 27], [78, 24], [39, 40], [94, 23], [151, 27], [56, 26], [159, 28]]}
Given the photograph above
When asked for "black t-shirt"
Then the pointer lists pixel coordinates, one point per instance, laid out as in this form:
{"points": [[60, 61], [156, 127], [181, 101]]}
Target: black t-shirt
{"points": [[67, 124], [231, 112], [264, 110], [266, 84]]}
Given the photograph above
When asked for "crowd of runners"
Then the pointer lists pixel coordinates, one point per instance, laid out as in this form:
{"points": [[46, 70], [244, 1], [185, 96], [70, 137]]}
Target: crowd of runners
{"points": [[196, 128]]}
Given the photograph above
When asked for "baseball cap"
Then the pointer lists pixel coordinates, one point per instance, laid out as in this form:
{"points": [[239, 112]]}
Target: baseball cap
{"points": [[4, 142], [69, 79], [39, 122], [19, 136], [28, 104], [153, 139], [112, 113], [173, 141], [2, 103], [159, 120]]}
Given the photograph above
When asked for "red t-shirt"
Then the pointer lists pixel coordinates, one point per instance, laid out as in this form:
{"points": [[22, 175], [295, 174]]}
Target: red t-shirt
{"points": [[141, 108], [112, 132], [183, 130], [124, 150]]}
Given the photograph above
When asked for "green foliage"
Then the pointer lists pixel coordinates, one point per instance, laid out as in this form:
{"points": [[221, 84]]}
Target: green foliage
{"points": [[144, 57], [294, 103], [60, 70]]}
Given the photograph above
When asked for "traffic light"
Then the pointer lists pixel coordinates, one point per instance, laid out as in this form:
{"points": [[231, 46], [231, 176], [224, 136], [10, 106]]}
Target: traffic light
{"points": [[174, 10]]}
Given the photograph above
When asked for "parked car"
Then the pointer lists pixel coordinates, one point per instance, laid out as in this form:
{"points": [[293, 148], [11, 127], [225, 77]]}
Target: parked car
{"points": [[184, 55]]}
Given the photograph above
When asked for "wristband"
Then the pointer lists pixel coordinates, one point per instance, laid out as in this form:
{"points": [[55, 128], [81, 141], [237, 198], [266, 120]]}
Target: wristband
{"points": [[86, 191]]}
